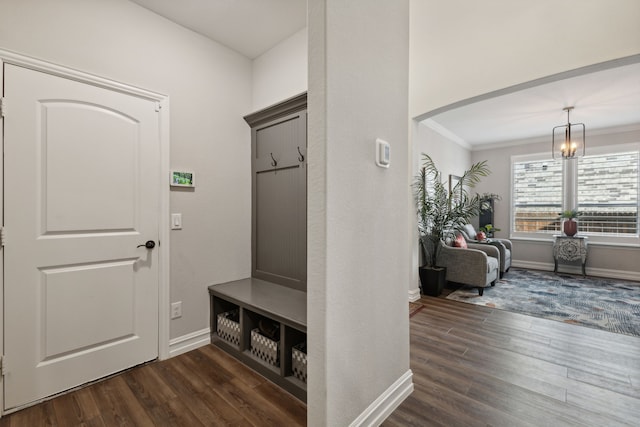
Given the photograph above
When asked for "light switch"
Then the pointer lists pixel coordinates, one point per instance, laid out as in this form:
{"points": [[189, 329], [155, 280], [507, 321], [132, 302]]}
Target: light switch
{"points": [[176, 221], [383, 153]]}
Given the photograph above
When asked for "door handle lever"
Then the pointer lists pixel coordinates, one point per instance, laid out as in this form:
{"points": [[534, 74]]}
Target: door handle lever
{"points": [[149, 244]]}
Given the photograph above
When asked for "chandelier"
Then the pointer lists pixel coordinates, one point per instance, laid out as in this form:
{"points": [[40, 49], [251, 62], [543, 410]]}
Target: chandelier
{"points": [[572, 143]]}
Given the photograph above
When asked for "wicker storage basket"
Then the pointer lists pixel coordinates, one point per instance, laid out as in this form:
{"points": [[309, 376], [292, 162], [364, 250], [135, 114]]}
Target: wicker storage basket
{"points": [[229, 327], [299, 362], [264, 348]]}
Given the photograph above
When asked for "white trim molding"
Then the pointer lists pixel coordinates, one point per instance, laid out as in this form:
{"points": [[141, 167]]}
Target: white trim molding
{"points": [[1, 246], [80, 76], [164, 298], [189, 342], [414, 294], [438, 128], [386, 403]]}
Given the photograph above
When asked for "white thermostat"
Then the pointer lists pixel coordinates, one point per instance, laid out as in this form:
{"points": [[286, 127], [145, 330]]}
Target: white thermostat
{"points": [[383, 153]]}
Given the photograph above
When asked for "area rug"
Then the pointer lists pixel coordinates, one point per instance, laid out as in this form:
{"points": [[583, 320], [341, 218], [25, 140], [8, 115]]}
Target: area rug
{"points": [[609, 304], [414, 308]]}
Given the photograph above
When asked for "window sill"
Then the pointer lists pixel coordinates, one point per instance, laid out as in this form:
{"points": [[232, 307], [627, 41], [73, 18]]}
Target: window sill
{"points": [[592, 241]]}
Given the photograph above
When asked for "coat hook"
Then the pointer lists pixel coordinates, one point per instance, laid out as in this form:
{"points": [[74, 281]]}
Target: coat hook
{"points": [[301, 156], [274, 162]]}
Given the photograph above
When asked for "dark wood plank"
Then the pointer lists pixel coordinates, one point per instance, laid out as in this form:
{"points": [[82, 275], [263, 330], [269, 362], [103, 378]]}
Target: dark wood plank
{"points": [[118, 405], [478, 366], [205, 387], [623, 387], [70, 410], [472, 366], [154, 396], [608, 403], [39, 415], [90, 410], [203, 403], [231, 366], [224, 413]]}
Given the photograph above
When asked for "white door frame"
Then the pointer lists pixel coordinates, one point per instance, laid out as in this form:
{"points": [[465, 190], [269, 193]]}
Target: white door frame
{"points": [[162, 102]]}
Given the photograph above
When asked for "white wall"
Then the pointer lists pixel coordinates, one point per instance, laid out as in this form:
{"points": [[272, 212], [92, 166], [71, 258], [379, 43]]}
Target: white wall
{"points": [[449, 156], [281, 72], [461, 48], [604, 260], [209, 90], [358, 225]]}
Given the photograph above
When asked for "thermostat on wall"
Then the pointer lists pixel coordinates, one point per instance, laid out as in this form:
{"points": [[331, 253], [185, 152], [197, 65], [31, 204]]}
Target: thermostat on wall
{"points": [[383, 153], [183, 179]]}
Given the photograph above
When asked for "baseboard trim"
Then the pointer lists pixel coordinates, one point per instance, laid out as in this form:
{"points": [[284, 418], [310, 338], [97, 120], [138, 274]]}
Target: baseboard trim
{"points": [[414, 294], [614, 274], [575, 269], [532, 265], [386, 403], [189, 342]]}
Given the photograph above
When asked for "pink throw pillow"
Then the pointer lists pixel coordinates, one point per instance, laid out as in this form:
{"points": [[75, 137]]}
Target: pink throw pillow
{"points": [[460, 242]]}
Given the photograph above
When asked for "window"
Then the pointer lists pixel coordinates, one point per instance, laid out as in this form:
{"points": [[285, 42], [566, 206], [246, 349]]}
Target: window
{"points": [[537, 195], [604, 186], [608, 194]]}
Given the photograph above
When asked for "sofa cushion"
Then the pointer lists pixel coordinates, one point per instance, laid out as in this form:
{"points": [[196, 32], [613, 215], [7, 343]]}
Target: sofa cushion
{"points": [[469, 231], [492, 264]]}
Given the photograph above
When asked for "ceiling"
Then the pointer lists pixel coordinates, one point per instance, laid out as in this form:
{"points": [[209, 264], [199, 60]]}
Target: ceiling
{"points": [[250, 27], [602, 99]]}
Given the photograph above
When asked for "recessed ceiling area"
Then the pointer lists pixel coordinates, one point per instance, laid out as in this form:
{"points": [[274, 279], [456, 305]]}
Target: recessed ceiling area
{"points": [[602, 99], [250, 27]]}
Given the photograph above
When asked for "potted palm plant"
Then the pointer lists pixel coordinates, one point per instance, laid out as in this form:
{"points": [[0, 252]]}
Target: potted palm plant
{"points": [[441, 212], [570, 226]]}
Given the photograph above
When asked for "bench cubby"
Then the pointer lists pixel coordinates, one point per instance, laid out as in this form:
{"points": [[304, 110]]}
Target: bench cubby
{"points": [[266, 305]]}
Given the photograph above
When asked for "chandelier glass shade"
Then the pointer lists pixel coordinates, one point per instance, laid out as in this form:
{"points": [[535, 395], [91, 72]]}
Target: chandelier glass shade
{"points": [[568, 141]]}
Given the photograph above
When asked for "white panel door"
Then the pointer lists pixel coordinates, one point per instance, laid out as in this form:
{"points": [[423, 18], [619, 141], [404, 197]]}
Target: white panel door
{"points": [[81, 193]]}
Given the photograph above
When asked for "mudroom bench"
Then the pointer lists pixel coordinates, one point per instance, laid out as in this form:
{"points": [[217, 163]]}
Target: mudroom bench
{"points": [[264, 325]]}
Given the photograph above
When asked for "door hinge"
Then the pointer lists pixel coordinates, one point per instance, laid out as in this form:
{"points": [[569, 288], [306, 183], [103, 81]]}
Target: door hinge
{"points": [[158, 107], [3, 107], [2, 237], [3, 365]]}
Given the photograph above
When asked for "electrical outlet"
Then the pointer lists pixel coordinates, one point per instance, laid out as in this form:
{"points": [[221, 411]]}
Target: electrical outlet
{"points": [[176, 309]]}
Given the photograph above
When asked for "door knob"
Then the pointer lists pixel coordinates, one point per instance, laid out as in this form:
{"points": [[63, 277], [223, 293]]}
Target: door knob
{"points": [[150, 244]]}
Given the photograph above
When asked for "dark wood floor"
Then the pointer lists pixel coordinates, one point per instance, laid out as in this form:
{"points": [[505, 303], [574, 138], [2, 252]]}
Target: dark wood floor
{"points": [[477, 366], [204, 387], [472, 365]]}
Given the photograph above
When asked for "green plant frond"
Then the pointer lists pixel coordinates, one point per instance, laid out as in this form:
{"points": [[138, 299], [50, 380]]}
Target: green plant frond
{"points": [[491, 196], [441, 213], [429, 166], [572, 213], [471, 177]]}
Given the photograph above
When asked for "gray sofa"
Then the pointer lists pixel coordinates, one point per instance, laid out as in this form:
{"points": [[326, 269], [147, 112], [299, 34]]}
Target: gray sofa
{"points": [[477, 266], [504, 246]]}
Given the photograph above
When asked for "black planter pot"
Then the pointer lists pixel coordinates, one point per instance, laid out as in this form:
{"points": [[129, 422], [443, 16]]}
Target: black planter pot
{"points": [[433, 280]]}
